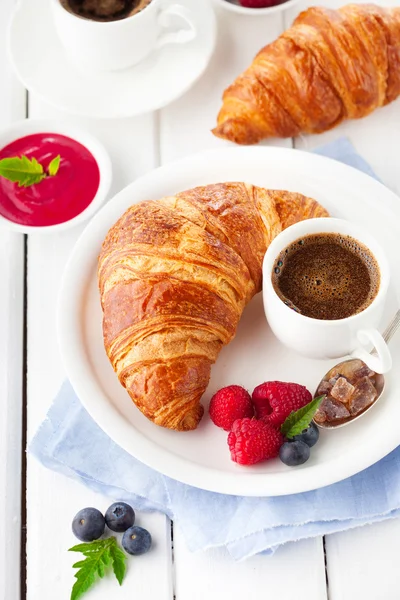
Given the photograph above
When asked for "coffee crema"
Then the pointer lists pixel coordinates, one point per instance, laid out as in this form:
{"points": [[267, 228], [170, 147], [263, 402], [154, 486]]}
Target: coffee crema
{"points": [[326, 276], [104, 10]]}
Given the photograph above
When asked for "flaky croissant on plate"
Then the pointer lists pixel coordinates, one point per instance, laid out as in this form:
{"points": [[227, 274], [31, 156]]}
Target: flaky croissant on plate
{"points": [[329, 66], [175, 275]]}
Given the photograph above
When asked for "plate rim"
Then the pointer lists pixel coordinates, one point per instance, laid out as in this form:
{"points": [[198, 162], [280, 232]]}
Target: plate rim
{"points": [[250, 483]]}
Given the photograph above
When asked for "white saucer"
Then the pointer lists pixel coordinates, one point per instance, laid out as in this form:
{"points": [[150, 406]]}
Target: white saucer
{"points": [[41, 64], [201, 457]]}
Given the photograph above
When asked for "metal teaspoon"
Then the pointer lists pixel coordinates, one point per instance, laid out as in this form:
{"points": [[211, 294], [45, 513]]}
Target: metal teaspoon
{"points": [[379, 379]]}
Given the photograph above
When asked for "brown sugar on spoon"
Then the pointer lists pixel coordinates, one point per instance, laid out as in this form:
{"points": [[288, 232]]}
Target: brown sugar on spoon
{"points": [[349, 389]]}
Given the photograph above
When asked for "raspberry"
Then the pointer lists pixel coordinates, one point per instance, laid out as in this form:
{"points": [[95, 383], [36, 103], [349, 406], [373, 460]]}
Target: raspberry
{"points": [[275, 400], [251, 441], [260, 3], [228, 404]]}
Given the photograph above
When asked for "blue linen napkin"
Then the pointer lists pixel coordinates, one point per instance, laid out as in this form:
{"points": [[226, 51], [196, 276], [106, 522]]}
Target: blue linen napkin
{"points": [[70, 442]]}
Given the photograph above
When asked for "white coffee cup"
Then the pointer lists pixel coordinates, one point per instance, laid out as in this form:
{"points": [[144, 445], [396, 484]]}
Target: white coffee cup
{"points": [[316, 338], [114, 45]]}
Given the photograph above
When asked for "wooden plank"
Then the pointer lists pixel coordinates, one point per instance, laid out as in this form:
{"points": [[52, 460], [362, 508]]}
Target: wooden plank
{"points": [[374, 137], [362, 562], [296, 570], [52, 500], [11, 378], [13, 96], [185, 125], [185, 129], [12, 107]]}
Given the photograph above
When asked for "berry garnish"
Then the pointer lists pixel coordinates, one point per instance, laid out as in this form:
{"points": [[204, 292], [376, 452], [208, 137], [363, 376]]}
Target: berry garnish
{"points": [[301, 434], [88, 525], [120, 516], [228, 404], [252, 441], [294, 453], [274, 401], [309, 436], [136, 540]]}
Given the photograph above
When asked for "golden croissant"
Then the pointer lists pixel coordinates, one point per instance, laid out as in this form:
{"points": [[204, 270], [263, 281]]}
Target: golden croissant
{"points": [[329, 66], [175, 275]]}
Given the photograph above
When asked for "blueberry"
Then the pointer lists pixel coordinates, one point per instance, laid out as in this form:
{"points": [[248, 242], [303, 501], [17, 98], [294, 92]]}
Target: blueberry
{"points": [[294, 453], [309, 436], [88, 525], [120, 516], [136, 540]]}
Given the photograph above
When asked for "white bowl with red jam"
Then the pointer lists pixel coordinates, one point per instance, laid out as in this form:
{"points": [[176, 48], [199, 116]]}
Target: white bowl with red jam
{"points": [[263, 7], [52, 176]]}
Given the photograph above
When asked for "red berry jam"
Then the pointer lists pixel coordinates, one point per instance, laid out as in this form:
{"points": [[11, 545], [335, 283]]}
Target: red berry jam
{"points": [[55, 199]]}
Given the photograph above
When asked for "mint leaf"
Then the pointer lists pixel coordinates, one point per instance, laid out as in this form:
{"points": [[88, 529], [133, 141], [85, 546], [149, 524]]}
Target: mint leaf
{"points": [[22, 170], [54, 166], [34, 162], [98, 556], [299, 420], [88, 548], [85, 578], [119, 567], [100, 568], [81, 563]]}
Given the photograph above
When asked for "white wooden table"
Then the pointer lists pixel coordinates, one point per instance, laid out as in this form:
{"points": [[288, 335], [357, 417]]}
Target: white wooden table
{"points": [[36, 505]]}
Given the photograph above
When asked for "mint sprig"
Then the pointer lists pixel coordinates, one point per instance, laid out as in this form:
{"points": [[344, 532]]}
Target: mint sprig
{"points": [[27, 171], [99, 555], [54, 166], [118, 562], [22, 170], [299, 420]]}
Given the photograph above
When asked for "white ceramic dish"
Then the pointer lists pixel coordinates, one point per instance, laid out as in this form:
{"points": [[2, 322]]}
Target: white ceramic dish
{"points": [[235, 6], [42, 65], [26, 127], [201, 457]]}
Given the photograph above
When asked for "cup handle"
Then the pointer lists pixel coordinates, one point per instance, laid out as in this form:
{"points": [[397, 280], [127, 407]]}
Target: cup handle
{"points": [[380, 360], [176, 37]]}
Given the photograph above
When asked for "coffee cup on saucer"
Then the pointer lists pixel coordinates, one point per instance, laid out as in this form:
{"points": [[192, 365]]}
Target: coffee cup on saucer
{"points": [[109, 35], [325, 283]]}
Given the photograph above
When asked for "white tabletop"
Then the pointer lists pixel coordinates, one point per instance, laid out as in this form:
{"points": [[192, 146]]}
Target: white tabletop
{"points": [[36, 508]]}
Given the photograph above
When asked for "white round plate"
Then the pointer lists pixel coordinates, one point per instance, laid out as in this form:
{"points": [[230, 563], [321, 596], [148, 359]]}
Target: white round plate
{"points": [[201, 457], [43, 67]]}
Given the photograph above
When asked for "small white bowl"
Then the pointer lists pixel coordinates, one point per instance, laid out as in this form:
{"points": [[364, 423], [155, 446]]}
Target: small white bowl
{"points": [[234, 6], [20, 129]]}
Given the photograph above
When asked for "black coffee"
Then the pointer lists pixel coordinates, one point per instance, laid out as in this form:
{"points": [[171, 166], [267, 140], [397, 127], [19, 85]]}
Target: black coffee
{"points": [[105, 10], [326, 276]]}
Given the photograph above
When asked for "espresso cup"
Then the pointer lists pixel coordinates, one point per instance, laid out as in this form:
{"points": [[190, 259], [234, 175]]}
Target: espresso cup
{"points": [[115, 45], [323, 339]]}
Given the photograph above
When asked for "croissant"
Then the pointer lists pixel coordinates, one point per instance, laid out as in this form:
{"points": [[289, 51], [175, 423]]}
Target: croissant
{"points": [[329, 66], [175, 275]]}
